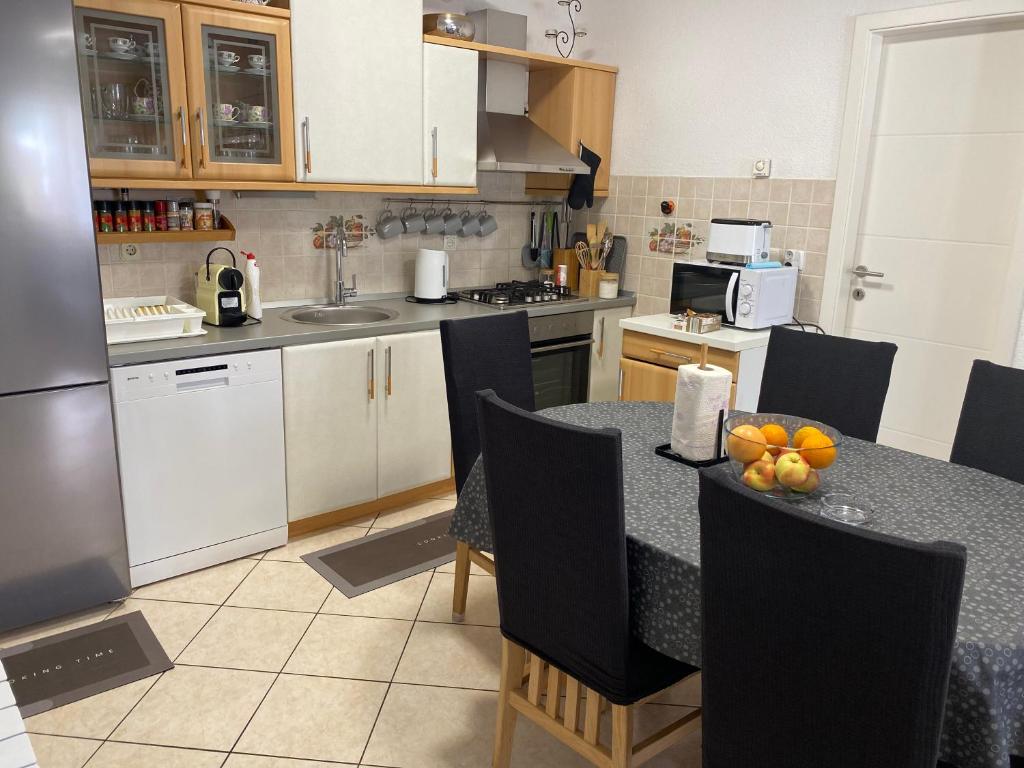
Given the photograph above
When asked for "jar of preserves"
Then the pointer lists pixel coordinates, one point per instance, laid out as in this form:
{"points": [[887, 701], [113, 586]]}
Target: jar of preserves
{"points": [[160, 215], [204, 216], [185, 214]]}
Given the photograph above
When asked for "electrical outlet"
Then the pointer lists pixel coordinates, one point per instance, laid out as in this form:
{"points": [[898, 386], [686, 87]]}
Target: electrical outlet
{"points": [[129, 251], [762, 168], [796, 258], [451, 242]]}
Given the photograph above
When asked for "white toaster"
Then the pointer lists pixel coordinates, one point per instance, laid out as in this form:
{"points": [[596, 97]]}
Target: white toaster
{"points": [[739, 241]]}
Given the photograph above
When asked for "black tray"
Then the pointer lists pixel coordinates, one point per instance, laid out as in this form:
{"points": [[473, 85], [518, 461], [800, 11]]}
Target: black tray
{"points": [[667, 452]]}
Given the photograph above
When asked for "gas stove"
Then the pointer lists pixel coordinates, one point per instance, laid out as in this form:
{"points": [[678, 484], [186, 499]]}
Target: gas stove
{"points": [[519, 294]]}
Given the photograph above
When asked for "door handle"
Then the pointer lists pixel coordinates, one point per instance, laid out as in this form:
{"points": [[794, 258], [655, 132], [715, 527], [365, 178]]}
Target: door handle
{"points": [[387, 371], [184, 136], [433, 135], [861, 271], [202, 138], [306, 147], [566, 345], [371, 384], [676, 355], [600, 347]]}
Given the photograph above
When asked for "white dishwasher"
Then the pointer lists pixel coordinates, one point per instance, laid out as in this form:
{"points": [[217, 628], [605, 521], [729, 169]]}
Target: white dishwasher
{"points": [[201, 448]]}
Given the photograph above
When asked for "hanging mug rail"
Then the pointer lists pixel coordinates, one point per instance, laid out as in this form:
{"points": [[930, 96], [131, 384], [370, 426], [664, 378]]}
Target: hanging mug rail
{"points": [[462, 202]]}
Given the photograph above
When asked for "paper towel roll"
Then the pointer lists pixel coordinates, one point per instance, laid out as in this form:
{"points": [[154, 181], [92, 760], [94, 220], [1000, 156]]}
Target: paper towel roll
{"points": [[700, 395]]}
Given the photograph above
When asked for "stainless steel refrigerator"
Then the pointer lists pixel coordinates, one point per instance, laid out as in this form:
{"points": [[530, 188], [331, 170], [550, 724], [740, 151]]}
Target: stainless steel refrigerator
{"points": [[62, 539]]}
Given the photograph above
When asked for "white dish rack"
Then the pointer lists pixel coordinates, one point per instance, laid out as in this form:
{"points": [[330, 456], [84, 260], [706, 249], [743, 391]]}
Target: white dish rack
{"points": [[150, 318]]}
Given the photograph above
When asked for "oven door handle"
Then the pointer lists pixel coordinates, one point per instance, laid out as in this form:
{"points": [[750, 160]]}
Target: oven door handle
{"points": [[566, 345], [730, 297]]}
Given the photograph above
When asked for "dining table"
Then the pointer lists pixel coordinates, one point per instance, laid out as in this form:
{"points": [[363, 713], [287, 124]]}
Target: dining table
{"points": [[910, 496]]}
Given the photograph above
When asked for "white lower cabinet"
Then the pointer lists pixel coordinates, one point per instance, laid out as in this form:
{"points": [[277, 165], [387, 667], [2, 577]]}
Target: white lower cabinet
{"points": [[605, 354], [351, 434]]}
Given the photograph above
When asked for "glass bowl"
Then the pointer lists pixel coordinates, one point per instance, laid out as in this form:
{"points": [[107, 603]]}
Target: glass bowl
{"points": [[767, 452]]}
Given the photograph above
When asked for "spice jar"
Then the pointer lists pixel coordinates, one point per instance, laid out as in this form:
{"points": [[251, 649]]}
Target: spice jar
{"points": [[173, 221], [160, 215], [106, 218], [185, 214], [95, 216], [134, 216], [148, 218], [204, 216], [608, 286], [120, 218]]}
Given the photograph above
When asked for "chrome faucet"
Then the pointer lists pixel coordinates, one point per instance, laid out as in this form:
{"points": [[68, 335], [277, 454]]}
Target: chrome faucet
{"points": [[341, 293]]}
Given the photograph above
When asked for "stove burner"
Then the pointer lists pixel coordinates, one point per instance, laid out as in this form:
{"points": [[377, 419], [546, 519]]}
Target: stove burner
{"points": [[517, 293]]}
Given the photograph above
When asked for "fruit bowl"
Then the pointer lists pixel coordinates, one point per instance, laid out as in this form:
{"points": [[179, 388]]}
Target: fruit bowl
{"points": [[785, 456]]}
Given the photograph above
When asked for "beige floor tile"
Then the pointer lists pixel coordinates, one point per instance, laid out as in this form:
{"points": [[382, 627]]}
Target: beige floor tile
{"points": [[247, 638], [410, 513], [114, 755], [94, 717], [55, 626], [303, 545], [351, 646], [317, 718], [61, 751], [400, 600], [474, 569], [481, 601], [257, 761], [451, 655], [447, 496], [282, 586], [210, 585], [174, 624], [196, 707]]}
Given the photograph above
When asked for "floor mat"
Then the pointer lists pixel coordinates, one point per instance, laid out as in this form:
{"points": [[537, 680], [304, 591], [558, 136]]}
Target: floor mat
{"points": [[363, 565], [73, 665]]}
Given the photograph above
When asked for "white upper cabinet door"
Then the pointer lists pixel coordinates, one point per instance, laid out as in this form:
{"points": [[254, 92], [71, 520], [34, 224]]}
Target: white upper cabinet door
{"points": [[414, 445], [449, 115], [330, 420], [357, 68]]}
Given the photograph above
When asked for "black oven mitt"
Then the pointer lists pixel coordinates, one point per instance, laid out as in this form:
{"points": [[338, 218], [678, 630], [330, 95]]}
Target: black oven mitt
{"points": [[582, 190]]}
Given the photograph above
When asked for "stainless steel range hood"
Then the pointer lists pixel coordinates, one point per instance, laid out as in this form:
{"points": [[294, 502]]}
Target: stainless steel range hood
{"points": [[507, 140]]}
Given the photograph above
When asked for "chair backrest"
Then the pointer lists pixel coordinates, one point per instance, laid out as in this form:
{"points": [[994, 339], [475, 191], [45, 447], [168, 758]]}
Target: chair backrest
{"points": [[555, 496], [839, 381], [990, 435], [822, 644], [489, 352]]}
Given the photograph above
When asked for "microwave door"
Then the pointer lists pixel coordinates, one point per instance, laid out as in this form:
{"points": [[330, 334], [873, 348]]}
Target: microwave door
{"points": [[700, 288]]}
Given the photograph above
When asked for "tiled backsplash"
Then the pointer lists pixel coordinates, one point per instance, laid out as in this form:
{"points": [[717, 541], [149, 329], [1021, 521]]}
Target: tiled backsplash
{"points": [[799, 209], [279, 230]]}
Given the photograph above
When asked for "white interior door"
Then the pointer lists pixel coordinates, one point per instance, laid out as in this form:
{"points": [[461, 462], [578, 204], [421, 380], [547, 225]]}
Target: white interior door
{"points": [[941, 219], [450, 78], [414, 439], [357, 69]]}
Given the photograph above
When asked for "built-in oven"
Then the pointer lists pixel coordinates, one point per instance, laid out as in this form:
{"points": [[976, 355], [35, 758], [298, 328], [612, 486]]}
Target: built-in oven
{"points": [[560, 345]]}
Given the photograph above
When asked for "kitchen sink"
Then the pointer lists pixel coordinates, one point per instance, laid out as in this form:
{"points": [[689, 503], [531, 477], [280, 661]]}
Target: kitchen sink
{"points": [[336, 314]]}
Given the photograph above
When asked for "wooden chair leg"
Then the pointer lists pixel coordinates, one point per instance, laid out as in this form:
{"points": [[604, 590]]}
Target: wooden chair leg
{"points": [[622, 736], [462, 567], [512, 660]]}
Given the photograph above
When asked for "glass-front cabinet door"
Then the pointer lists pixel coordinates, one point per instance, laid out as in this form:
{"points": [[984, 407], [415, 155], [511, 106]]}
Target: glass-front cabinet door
{"points": [[131, 65], [240, 100]]}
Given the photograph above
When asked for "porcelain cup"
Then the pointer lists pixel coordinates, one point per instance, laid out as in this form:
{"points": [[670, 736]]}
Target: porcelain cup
{"points": [[258, 61], [435, 222], [413, 221], [227, 112], [227, 58], [388, 225], [470, 224], [452, 222], [256, 113], [488, 224], [121, 44]]}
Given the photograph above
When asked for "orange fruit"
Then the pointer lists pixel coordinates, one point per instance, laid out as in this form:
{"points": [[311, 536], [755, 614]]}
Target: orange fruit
{"points": [[819, 451], [776, 437], [802, 434], [746, 443]]}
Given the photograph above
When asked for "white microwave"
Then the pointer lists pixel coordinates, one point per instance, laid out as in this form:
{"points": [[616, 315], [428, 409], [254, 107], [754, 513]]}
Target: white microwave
{"points": [[745, 298]]}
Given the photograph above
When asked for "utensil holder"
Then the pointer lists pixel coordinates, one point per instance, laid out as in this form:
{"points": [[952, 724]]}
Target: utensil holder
{"points": [[567, 256], [590, 282]]}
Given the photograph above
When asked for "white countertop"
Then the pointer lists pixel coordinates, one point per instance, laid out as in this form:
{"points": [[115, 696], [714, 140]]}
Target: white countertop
{"points": [[729, 339]]}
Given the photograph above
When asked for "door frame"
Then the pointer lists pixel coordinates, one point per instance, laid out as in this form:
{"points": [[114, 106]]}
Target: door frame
{"points": [[858, 121]]}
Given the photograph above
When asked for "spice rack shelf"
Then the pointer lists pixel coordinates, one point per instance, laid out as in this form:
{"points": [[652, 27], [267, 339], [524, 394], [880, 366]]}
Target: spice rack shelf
{"points": [[226, 232]]}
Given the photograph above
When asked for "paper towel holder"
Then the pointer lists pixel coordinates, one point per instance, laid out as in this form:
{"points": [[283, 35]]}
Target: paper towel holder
{"points": [[667, 452]]}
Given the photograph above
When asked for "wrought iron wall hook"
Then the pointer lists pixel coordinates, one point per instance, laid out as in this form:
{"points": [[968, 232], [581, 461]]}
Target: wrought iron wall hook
{"points": [[561, 37]]}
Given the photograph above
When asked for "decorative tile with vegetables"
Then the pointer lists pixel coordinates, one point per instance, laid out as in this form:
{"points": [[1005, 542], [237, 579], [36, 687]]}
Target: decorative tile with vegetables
{"points": [[356, 232], [673, 239]]}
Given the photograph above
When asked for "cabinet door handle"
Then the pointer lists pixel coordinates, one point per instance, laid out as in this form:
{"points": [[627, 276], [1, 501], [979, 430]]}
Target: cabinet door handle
{"points": [[202, 137], [306, 146], [184, 136], [371, 384], [676, 355], [387, 371], [600, 346], [433, 170]]}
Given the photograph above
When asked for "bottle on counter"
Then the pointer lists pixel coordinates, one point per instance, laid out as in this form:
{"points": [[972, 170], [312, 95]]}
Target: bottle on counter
{"points": [[148, 217], [134, 216], [185, 215], [120, 217], [106, 217], [173, 220], [160, 215], [254, 307]]}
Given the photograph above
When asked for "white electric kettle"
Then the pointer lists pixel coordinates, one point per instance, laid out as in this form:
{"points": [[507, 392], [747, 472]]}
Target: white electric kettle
{"points": [[431, 277]]}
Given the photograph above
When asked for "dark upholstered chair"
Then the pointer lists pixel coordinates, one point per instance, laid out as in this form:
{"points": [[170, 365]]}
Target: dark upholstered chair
{"points": [[839, 381], [563, 587], [488, 352], [990, 435], [823, 644]]}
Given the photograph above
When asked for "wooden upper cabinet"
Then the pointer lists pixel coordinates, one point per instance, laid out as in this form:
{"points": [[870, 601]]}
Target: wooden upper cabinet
{"points": [[359, 90], [574, 104], [238, 67], [132, 73]]}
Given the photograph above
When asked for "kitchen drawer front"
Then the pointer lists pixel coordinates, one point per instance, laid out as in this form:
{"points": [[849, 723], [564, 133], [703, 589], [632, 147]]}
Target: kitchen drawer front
{"points": [[645, 382], [670, 353]]}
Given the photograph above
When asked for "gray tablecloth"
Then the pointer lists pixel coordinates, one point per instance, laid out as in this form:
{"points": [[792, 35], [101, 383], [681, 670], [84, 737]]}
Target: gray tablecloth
{"points": [[912, 496]]}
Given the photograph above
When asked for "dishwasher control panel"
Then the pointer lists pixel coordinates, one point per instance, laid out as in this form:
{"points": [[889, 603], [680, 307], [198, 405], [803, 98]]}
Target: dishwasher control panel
{"points": [[137, 382]]}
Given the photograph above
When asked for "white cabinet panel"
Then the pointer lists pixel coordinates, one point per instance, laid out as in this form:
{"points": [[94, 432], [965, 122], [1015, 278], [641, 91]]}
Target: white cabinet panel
{"points": [[414, 440], [330, 426], [450, 78], [605, 354], [358, 90]]}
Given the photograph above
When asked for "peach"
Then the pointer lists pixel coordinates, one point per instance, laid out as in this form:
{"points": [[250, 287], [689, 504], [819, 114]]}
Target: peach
{"points": [[746, 443]]}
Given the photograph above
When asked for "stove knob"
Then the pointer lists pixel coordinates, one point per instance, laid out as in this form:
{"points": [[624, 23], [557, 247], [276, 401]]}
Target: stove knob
{"points": [[746, 290], [528, 299], [744, 308]]}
